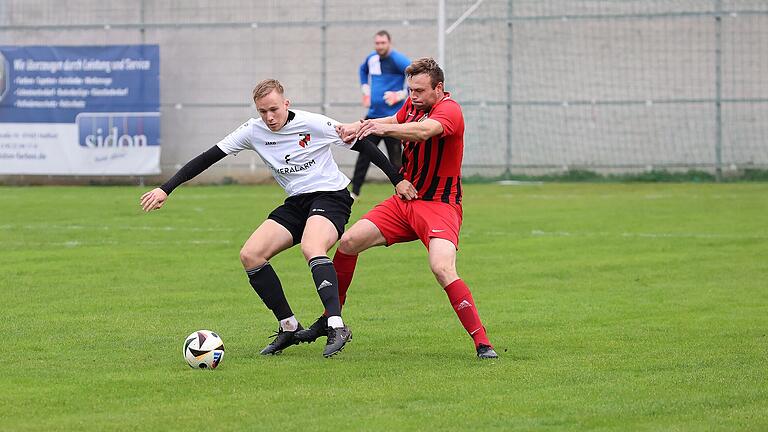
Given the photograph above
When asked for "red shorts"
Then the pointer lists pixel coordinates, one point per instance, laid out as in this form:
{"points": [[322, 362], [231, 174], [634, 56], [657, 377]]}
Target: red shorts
{"points": [[403, 221]]}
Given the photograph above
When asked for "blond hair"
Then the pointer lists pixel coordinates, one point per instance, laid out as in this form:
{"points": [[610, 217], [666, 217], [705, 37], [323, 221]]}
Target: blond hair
{"points": [[266, 87]]}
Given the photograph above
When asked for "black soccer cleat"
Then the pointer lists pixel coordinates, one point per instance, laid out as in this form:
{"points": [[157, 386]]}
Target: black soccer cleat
{"points": [[486, 352], [283, 339], [337, 338], [318, 329]]}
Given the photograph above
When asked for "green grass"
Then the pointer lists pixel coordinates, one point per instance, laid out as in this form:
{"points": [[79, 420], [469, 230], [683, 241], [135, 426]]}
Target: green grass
{"points": [[613, 307]]}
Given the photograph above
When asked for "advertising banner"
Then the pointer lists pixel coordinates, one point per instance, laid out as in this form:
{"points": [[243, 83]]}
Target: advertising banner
{"points": [[80, 110]]}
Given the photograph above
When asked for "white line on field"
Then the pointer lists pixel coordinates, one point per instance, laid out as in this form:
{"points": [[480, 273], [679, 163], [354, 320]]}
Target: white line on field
{"points": [[77, 243], [646, 235], [111, 228]]}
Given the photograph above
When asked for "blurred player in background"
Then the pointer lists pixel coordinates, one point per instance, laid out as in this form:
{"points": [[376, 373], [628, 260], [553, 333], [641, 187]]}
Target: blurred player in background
{"points": [[382, 80], [296, 146], [431, 126]]}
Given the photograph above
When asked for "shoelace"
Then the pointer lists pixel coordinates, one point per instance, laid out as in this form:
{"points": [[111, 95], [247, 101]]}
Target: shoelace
{"points": [[276, 334], [331, 336]]}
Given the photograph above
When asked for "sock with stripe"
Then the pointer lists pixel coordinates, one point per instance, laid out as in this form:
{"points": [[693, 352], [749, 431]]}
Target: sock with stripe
{"points": [[464, 305], [345, 269], [327, 284], [267, 285]]}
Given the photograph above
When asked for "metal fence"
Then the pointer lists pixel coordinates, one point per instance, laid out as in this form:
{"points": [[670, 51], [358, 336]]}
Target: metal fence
{"points": [[546, 85]]}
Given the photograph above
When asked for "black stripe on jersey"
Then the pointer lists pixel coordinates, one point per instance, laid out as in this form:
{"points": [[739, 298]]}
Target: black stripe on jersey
{"points": [[415, 167], [458, 190], [404, 157], [429, 195], [446, 197], [425, 165]]}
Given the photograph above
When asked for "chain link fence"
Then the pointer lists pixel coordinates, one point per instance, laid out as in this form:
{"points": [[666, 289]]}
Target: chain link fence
{"points": [[546, 85]]}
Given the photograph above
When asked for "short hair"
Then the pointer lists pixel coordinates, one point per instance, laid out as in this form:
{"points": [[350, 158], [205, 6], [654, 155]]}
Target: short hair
{"points": [[384, 33], [266, 87], [426, 65]]}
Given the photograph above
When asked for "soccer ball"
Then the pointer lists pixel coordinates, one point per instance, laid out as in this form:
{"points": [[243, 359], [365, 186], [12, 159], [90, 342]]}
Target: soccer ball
{"points": [[203, 349]]}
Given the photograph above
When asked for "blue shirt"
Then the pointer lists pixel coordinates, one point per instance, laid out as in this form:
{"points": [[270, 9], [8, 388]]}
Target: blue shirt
{"points": [[384, 74]]}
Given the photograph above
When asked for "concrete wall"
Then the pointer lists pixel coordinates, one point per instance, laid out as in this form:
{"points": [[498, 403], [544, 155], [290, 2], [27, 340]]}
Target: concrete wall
{"points": [[544, 83]]}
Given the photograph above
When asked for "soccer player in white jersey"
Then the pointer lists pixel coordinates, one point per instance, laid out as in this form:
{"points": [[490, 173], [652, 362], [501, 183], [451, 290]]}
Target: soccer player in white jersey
{"points": [[295, 145]]}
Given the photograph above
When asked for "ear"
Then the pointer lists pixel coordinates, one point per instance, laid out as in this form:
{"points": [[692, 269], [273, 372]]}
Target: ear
{"points": [[440, 87], [287, 103]]}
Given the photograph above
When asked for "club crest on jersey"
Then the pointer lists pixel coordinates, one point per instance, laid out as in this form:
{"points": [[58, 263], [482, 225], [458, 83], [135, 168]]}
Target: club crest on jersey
{"points": [[304, 139]]}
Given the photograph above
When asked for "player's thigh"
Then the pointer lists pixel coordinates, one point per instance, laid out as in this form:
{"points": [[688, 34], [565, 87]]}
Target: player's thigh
{"points": [[431, 219], [363, 235], [442, 260], [269, 239], [386, 224], [320, 234]]}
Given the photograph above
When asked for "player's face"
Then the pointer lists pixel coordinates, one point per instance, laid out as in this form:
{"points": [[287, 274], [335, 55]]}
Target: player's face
{"points": [[423, 96], [273, 109], [382, 45]]}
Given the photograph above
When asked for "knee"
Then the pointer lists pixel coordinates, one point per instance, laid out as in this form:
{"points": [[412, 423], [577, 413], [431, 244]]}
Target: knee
{"points": [[251, 258], [444, 273], [311, 251], [349, 243]]}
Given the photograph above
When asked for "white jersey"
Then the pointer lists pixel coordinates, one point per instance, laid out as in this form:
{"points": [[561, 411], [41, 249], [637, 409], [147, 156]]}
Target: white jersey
{"points": [[299, 154]]}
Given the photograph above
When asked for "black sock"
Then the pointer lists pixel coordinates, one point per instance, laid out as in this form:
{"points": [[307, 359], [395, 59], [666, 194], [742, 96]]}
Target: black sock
{"points": [[327, 284], [265, 282]]}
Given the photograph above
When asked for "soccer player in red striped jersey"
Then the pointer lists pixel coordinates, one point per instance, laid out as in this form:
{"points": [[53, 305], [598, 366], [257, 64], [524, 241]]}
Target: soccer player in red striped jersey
{"points": [[431, 127]]}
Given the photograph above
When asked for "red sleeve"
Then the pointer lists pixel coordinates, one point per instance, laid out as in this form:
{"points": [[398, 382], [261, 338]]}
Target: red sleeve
{"points": [[448, 114], [401, 113]]}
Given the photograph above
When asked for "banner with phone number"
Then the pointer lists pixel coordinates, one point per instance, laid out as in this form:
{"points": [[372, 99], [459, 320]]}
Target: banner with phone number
{"points": [[80, 110]]}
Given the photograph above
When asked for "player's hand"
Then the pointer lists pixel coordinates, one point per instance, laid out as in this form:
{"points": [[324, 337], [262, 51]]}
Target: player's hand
{"points": [[393, 97], [367, 101], [347, 131], [153, 199], [369, 127], [406, 191]]}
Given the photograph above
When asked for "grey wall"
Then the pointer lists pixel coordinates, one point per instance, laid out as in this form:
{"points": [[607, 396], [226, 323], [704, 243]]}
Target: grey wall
{"points": [[545, 84]]}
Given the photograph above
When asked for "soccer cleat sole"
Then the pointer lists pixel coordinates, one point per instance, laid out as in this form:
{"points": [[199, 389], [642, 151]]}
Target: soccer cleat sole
{"points": [[340, 349], [335, 352], [489, 356], [278, 352]]}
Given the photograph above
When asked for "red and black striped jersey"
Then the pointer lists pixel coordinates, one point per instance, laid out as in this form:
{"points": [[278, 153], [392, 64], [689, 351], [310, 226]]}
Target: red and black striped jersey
{"points": [[434, 166]]}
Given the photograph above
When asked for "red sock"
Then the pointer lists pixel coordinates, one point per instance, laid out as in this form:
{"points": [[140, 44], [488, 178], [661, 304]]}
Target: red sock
{"points": [[464, 305], [345, 269]]}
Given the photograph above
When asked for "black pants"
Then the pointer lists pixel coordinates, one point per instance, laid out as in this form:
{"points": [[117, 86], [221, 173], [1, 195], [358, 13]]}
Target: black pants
{"points": [[394, 150]]}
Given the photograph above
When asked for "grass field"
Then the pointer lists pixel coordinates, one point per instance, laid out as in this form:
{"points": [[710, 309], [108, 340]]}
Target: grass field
{"points": [[612, 306]]}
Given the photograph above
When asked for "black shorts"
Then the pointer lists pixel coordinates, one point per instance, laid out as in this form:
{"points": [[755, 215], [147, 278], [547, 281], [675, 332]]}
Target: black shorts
{"points": [[293, 214]]}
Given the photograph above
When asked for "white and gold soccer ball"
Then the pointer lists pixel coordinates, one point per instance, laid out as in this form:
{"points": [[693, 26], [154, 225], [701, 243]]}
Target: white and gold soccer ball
{"points": [[203, 349]]}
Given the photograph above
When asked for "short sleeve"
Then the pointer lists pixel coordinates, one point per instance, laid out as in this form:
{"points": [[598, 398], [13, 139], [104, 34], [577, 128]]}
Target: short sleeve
{"points": [[402, 62], [364, 71], [238, 140], [327, 127], [448, 114], [403, 111]]}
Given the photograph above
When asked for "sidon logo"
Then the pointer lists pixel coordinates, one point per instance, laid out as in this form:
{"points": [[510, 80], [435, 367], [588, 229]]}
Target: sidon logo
{"points": [[3, 76], [113, 140], [117, 130]]}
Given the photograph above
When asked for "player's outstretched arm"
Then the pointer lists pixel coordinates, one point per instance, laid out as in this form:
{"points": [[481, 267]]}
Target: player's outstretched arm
{"points": [[155, 198], [413, 131], [349, 131], [403, 187]]}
